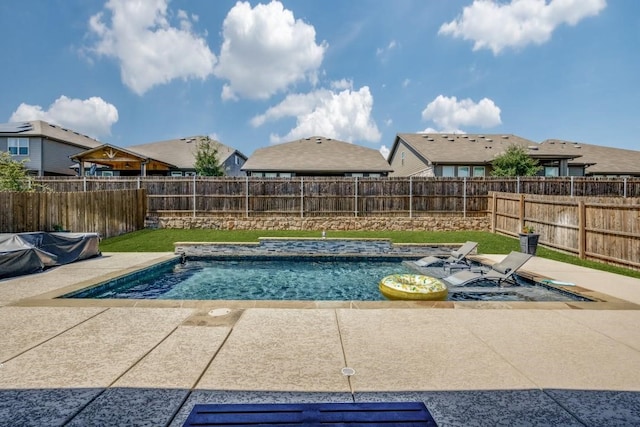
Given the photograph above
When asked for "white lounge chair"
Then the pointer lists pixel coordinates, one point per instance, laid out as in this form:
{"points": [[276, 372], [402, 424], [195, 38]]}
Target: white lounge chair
{"points": [[499, 272], [457, 258]]}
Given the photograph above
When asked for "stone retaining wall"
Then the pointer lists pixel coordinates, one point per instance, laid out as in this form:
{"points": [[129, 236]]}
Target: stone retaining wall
{"points": [[440, 223]]}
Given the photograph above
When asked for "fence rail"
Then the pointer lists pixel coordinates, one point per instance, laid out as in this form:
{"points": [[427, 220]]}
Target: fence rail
{"points": [[596, 228], [312, 197], [109, 213]]}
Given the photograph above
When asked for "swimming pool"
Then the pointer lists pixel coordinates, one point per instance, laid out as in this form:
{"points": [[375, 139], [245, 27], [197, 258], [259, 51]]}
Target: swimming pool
{"points": [[300, 278]]}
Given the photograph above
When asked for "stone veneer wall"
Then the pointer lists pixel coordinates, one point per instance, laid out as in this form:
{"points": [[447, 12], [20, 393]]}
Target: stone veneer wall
{"points": [[275, 246], [439, 223]]}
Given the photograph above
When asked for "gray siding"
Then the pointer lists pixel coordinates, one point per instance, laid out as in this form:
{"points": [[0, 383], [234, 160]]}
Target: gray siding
{"points": [[34, 163], [412, 162], [231, 168], [56, 157]]}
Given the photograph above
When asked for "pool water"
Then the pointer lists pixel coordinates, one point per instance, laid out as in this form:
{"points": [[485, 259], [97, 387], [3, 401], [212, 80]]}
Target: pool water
{"points": [[295, 279], [299, 278]]}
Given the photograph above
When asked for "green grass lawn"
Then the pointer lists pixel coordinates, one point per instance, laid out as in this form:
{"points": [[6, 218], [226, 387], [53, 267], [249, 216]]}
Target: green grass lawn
{"points": [[488, 243]]}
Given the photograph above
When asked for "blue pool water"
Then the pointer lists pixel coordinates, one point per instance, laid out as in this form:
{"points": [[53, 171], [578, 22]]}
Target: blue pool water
{"points": [[295, 279], [299, 278]]}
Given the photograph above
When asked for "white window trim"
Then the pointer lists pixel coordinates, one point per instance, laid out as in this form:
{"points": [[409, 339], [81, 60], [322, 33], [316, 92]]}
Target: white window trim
{"points": [[17, 144], [479, 168], [449, 168]]}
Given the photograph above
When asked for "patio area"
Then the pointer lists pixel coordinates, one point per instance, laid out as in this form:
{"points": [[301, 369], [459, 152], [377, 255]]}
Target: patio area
{"points": [[106, 362]]}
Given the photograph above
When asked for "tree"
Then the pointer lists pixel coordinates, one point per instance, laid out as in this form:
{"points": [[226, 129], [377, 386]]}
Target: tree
{"points": [[207, 158], [14, 175], [515, 162]]}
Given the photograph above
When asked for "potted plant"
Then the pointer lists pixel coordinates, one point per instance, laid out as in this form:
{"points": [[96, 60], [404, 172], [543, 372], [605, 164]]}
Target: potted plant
{"points": [[529, 240]]}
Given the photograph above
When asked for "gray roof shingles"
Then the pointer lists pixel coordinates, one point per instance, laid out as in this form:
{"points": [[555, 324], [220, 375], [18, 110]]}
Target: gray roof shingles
{"points": [[317, 154]]}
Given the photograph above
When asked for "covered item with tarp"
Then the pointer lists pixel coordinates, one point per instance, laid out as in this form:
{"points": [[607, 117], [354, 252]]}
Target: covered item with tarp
{"points": [[26, 253]]}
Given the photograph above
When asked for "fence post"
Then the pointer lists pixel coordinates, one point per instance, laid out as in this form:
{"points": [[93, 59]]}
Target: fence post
{"points": [[356, 198], [246, 196], [518, 184], [464, 197], [194, 196], [494, 211], [410, 197], [84, 183], [521, 214], [572, 193], [582, 231], [625, 187], [301, 197], [139, 185]]}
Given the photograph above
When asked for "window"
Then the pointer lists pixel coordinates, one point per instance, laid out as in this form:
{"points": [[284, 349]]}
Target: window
{"points": [[448, 171], [402, 158], [18, 146], [551, 171], [478, 171], [189, 173], [464, 171], [107, 173], [236, 159], [176, 173], [285, 175], [271, 174]]}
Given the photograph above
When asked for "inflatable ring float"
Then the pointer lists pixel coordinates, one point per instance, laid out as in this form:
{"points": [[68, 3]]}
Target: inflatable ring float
{"points": [[413, 287]]}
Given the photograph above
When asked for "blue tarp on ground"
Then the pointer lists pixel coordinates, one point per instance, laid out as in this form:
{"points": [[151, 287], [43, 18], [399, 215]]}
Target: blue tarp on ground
{"points": [[26, 253]]}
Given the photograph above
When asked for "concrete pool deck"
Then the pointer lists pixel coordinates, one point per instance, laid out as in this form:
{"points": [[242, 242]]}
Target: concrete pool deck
{"points": [[105, 362]]}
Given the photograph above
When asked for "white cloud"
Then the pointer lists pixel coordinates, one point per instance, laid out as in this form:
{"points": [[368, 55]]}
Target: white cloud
{"points": [[92, 116], [449, 113], [342, 84], [265, 50], [344, 115], [406, 83], [496, 25], [149, 50], [384, 151]]}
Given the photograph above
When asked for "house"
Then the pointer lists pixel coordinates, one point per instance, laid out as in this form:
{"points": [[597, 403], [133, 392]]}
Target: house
{"points": [[316, 156], [597, 160], [181, 152], [46, 147], [466, 155], [174, 157]]}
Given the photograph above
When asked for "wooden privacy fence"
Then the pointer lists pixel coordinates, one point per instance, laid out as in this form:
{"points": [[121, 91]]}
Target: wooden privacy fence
{"points": [[336, 196], [109, 213], [597, 228]]}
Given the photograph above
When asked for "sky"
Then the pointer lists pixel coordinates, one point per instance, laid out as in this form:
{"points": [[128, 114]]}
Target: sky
{"points": [[251, 74]]}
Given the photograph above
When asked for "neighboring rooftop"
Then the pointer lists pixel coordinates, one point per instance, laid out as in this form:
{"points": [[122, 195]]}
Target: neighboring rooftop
{"points": [[600, 160], [317, 155], [50, 131], [462, 148], [180, 152]]}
